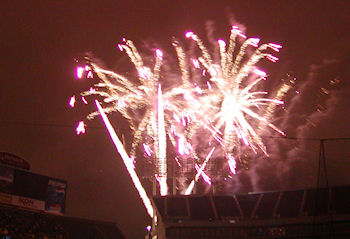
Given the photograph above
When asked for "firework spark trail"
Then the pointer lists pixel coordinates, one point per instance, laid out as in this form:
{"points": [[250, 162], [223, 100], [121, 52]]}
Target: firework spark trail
{"points": [[199, 172], [281, 92], [127, 97], [232, 164], [127, 161], [130, 98], [162, 146]]}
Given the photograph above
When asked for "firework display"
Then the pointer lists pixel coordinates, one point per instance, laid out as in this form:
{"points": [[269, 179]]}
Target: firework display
{"points": [[217, 94]]}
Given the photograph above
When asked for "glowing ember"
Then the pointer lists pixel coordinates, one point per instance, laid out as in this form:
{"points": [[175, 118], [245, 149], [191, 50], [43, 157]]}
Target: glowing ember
{"points": [[72, 101], [80, 71], [80, 128]]}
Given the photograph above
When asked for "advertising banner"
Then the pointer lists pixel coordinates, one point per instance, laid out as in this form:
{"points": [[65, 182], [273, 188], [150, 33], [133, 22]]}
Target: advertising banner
{"points": [[28, 202], [31, 190], [56, 196]]}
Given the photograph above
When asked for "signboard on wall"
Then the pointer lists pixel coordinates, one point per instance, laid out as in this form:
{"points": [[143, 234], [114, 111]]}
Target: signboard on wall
{"points": [[30, 190], [6, 180], [56, 196], [28, 202]]}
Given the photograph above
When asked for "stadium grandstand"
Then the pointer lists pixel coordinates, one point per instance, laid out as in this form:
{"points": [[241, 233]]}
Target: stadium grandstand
{"points": [[33, 206], [311, 213], [20, 223]]}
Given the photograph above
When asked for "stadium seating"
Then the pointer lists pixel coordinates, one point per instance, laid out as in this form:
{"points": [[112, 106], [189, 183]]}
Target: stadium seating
{"points": [[265, 208], [310, 213], [226, 207], [16, 223], [290, 204]]}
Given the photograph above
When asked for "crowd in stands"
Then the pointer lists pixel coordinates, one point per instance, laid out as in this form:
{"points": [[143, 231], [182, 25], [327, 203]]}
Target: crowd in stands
{"points": [[20, 224], [17, 223]]}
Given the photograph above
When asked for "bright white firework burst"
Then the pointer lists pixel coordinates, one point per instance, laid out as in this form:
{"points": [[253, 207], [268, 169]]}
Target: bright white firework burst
{"points": [[231, 105], [226, 107]]}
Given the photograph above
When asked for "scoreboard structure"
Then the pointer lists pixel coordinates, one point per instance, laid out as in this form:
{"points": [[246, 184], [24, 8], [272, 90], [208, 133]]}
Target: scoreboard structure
{"points": [[32, 191]]}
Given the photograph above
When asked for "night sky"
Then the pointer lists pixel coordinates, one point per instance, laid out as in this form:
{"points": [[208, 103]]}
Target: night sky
{"points": [[40, 40]]}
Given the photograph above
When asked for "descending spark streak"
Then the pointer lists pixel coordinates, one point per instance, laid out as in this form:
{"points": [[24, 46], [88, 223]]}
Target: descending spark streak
{"points": [[147, 150], [205, 177], [232, 164], [127, 161], [162, 146], [84, 100], [199, 172]]}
